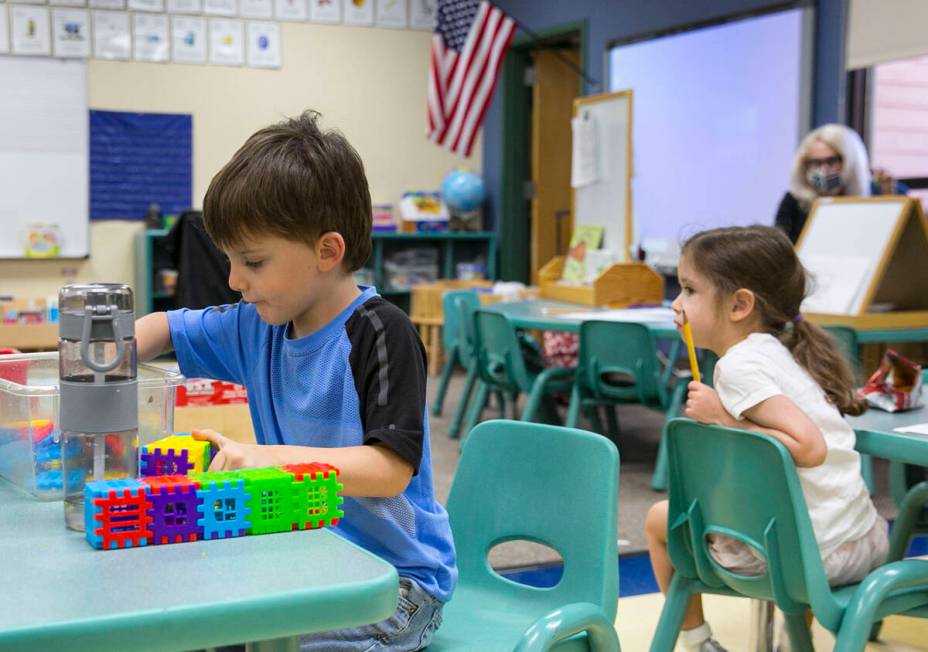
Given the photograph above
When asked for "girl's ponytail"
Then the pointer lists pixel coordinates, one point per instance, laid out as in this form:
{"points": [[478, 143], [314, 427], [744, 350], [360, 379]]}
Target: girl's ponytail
{"points": [[816, 352]]}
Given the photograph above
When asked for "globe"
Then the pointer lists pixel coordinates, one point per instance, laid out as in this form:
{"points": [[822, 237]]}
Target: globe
{"points": [[463, 191]]}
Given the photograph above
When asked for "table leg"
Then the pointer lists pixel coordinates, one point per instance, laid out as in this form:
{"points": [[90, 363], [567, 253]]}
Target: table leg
{"points": [[275, 645], [761, 627]]}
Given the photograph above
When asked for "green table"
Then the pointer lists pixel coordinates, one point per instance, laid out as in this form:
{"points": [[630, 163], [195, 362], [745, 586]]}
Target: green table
{"points": [[58, 593], [542, 314], [876, 436]]}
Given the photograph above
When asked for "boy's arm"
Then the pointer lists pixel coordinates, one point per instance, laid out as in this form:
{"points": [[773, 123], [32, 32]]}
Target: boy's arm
{"points": [[152, 335], [776, 416], [373, 470]]}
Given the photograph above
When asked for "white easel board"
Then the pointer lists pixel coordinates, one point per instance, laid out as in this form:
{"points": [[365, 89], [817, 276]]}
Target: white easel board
{"points": [[866, 257], [607, 201]]}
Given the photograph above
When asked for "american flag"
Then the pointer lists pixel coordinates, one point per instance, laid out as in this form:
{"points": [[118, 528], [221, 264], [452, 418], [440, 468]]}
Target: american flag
{"points": [[470, 42]]}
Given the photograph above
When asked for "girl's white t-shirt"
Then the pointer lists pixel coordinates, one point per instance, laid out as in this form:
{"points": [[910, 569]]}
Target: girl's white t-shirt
{"points": [[760, 367]]}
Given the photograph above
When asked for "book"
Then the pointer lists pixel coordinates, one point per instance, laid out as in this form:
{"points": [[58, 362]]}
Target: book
{"points": [[585, 238]]}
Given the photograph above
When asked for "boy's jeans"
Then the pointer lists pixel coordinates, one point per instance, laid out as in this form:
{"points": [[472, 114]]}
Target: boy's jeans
{"points": [[410, 627]]}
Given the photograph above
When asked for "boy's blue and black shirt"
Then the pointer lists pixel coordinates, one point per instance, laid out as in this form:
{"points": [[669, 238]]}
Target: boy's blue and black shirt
{"points": [[358, 380]]}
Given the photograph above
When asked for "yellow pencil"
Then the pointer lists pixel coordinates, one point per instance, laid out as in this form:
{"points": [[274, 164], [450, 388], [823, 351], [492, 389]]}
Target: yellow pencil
{"points": [[690, 348]]}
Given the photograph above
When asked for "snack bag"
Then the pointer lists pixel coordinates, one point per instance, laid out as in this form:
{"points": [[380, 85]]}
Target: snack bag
{"points": [[895, 386]]}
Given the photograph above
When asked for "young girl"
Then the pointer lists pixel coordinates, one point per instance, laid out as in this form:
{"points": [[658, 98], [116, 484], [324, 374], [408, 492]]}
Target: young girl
{"points": [[741, 288]]}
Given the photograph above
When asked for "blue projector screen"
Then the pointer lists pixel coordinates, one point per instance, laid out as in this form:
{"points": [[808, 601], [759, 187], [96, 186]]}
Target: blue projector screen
{"points": [[717, 114]]}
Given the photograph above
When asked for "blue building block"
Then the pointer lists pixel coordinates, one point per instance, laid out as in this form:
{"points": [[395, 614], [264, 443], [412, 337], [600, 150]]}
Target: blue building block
{"points": [[224, 510]]}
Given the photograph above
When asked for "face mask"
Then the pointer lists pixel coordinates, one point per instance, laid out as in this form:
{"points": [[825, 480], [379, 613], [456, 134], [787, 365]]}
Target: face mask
{"points": [[824, 183]]}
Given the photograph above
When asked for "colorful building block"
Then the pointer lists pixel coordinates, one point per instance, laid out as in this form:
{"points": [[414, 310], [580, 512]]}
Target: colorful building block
{"points": [[116, 514], [315, 495], [271, 499], [122, 513], [174, 508], [178, 454], [223, 508]]}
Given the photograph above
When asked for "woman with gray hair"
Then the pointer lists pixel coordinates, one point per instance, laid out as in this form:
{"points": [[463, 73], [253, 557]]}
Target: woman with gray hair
{"points": [[831, 160]]}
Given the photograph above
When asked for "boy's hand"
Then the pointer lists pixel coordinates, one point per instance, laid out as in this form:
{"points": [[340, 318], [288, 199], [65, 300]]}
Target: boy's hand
{"points": [[232, 454], [703, 405]]}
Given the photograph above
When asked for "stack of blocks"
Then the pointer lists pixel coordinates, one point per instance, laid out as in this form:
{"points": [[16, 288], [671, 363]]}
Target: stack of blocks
{"points": [[173, 508]]}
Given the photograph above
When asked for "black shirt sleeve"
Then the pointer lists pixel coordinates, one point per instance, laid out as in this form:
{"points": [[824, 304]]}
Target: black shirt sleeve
{"points": [[388, 364], [791, 217]]}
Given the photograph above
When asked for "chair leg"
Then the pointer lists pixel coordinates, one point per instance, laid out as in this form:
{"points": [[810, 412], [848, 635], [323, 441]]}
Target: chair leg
{"points": [[451, 359], [800, 637], [612, 419], [675, 604], [514, 403], [476, 409], [573, 410], [534, 400], [501, 402], [906, 519], [659, 479], [595, 421], [454, 430]]}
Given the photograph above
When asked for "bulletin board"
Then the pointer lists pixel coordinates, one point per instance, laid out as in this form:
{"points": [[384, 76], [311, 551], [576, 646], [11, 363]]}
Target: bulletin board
{"points": [[607, 199], [44, 153]]}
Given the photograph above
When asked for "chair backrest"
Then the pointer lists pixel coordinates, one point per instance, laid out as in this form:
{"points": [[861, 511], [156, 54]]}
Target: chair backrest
{"points": [[500, 362], [547, 484], [744, 485], [466, 304], [846, 339], [623, 352], [453, 320]]}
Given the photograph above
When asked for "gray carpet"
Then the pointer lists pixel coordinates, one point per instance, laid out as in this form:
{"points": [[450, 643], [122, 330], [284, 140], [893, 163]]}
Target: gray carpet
{"points": [[640, 433]]}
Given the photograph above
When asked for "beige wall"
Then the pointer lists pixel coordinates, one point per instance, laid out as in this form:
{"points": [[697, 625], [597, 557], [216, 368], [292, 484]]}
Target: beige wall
{"points": [[369, 83]]}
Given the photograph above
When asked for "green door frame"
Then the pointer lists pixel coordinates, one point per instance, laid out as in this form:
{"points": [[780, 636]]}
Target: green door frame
{"points": [[515, 215]]}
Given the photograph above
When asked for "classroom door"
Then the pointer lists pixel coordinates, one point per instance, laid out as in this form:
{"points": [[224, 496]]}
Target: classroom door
{"points": [[555, 87]]}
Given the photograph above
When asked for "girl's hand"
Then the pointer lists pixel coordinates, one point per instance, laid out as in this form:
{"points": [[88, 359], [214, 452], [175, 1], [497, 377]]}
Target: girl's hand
{"points": [[233, 455], [703, 405]]}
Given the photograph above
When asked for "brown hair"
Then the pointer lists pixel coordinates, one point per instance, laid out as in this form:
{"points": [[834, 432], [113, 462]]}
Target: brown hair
{"points": [[294, 181], [762, 259]]}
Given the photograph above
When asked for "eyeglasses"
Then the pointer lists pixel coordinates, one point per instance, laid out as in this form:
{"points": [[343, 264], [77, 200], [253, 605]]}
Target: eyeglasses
{"points": [[830, 162]]}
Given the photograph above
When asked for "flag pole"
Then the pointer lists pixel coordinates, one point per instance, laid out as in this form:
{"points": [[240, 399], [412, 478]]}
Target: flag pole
{"points": [[537, 40]]}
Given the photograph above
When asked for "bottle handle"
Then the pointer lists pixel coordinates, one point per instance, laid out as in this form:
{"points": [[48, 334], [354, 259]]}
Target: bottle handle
{"points": [[86, 358]]}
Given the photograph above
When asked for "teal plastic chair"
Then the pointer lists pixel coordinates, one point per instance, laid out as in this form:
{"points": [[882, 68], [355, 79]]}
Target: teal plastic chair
{"points": [[501, 368], [551, 485], [744, 485], [618, 363], [454, 339]]}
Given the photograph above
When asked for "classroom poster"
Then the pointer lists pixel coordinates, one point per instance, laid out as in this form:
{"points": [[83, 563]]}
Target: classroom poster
{"points": [[185, 6], [108, 4], [29, 30], [422, 14], [68, 3], [71, 33], [188, 39], [391, 13], [4, 30], [150, 37], [325, 11], [256, 8], [226, 41], [359, 12], [220, 7], [290, 10], [146, 5], [111, 38], [263, 44]]}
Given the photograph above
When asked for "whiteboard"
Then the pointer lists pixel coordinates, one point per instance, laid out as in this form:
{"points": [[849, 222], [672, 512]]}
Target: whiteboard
{"points": [[607, 200], [44, 161], [841, 246]]}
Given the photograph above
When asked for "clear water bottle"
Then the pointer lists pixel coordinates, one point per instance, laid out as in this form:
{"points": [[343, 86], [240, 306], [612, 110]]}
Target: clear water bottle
{"points": [[98, 411]]}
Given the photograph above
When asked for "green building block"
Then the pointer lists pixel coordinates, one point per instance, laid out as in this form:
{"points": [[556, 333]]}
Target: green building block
{"points": [[271, 499]]}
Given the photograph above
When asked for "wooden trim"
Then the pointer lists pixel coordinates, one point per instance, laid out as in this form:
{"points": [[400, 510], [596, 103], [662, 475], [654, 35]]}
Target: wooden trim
{"points": [[879, 273], [871, 320]]}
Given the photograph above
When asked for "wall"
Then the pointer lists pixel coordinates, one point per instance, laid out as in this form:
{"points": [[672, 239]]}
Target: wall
{"points": [[621, 19], [369, 83]]}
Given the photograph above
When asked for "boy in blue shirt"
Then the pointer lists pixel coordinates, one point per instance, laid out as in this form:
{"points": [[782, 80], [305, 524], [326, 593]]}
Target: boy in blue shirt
{"points": [[334, 373]]}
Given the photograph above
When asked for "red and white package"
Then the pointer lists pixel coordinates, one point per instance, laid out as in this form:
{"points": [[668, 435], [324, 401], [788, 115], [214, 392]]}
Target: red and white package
{"points": [[895, 386], [204, 391]]}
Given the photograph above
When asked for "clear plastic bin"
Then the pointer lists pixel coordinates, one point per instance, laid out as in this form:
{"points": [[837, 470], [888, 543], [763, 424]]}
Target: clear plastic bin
{"points": [[30, 450]]}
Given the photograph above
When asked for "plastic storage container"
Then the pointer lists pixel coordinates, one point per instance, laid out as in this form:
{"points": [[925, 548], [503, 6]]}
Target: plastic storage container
{"points": [[30, 447]]}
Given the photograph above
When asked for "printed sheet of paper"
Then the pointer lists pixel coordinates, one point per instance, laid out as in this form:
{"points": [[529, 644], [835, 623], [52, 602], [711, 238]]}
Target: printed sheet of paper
{"points": [[583, 169], [391, 13], [150, 37], [263, 44], [226, 41], [71, 33], [111, 39], [188, 39], [30, 30], [836, 283], [917, 429], [325, 11], [422, 14]]}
